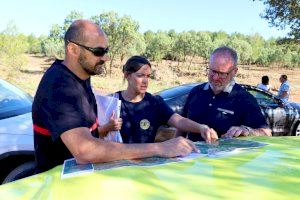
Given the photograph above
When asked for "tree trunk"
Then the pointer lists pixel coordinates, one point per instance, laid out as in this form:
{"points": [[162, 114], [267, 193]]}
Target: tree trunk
{"points": [[111, 64], [189, 67]]}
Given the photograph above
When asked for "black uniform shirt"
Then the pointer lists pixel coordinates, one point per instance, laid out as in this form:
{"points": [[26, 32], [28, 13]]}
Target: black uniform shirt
{"points": [[221, 111], [62, 102], [142, 119]]}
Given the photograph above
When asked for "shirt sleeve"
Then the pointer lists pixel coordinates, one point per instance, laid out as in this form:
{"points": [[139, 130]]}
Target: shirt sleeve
{"points": [[165, 112], [253, 116], [62, 110], [285, 88], [186, 105]]}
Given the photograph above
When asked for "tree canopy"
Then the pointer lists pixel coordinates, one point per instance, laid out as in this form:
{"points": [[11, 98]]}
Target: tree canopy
{"points": [[185, 48], [284, 14]]}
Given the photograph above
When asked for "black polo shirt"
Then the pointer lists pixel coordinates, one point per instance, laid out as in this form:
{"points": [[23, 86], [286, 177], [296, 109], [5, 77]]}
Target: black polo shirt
{"points": [[142, 119], [62, 102], [221, 111]]}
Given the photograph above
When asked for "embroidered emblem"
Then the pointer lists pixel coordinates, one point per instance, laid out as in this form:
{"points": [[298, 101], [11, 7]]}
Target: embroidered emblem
{"points": [[144, 124]]}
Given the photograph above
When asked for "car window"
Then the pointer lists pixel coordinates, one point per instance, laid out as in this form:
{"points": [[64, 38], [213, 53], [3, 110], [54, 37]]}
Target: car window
{"points": [[262, 98], [13, 101]]}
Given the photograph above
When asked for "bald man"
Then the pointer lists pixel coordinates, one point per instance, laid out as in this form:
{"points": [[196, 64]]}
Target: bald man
{"points": [[64, 110], [222, 104]]}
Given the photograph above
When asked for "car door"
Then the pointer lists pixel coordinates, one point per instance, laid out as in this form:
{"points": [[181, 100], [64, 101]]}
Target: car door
{"points": [[277, 115]]}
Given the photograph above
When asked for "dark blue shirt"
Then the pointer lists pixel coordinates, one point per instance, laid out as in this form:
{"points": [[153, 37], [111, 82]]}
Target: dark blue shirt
{"points": [[223, 110], [142, 119], [62, 102]]}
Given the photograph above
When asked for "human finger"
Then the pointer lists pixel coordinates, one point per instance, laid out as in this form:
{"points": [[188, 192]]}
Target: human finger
{"points": [[214, 135], [208, 137], [183, 147], [192, 145], [120, 120], [230, 132], [238, 132], [113, 115]]}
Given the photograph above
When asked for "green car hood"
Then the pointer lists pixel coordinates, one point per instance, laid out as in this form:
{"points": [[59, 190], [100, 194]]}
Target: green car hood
{"points": [[269, 172]]}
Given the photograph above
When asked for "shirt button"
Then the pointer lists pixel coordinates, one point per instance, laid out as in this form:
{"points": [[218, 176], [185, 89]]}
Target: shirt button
{"points": [[210, 104]]}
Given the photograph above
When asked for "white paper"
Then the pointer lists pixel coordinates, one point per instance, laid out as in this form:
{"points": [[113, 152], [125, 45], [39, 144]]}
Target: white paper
{"points": [[105, 106]]}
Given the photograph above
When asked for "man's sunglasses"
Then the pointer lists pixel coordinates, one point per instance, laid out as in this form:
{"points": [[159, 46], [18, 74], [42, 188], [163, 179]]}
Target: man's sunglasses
{"points": [[97, 51]]}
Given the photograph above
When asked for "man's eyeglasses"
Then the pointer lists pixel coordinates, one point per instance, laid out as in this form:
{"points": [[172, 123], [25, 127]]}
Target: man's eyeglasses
{"points": [[97, 51], [212, 72]]}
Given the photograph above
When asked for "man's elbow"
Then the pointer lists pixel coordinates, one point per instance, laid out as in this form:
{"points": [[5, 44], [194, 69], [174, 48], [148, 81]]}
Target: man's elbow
{"points": [[82, 155], [88, 153]]}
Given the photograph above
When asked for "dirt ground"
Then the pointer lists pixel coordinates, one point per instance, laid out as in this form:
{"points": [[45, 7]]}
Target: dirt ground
{"points": [[166, 75], [252, 76]]}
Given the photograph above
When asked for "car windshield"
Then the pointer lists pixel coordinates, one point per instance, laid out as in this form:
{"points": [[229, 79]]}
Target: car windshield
{"points": [[263, 99], [13, 101]]}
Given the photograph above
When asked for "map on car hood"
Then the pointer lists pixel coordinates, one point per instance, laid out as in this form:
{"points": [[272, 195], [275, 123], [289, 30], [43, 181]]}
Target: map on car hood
{"points": [[220, 148], [223, 147]]}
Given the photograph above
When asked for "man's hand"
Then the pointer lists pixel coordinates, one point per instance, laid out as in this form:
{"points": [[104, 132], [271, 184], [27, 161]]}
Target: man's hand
{"points": [[176, 147], [274, 89], [208, 134], [236, 131]]}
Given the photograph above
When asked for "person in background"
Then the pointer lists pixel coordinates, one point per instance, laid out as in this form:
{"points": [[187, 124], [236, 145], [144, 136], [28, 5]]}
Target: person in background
{"points": [[142, 113], [264, 85], [284, 90], [64, 109], [222, 104]]}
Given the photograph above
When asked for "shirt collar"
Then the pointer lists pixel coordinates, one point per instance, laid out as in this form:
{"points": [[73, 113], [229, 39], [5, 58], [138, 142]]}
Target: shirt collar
{"points": [[227, 89]]}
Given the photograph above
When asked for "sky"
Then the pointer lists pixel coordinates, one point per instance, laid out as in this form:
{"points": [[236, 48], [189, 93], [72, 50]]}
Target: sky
{"points": [[242, 16]]}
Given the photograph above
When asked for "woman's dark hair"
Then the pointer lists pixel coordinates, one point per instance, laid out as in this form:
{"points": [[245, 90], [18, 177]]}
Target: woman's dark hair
{"points": [[265, 80], [135, 63]]}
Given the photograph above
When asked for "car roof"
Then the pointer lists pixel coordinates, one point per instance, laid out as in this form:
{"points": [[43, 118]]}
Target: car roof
{"points": [[177, 90], [263, 91], [185, 88]]}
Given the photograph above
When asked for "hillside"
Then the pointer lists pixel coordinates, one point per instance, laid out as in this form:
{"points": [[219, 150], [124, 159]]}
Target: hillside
{"points": [[165, 76]]}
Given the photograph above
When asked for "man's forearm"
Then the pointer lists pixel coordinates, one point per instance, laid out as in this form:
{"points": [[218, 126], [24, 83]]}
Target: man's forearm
{"points": [[262, 132], [88, 149], [105, 151]]}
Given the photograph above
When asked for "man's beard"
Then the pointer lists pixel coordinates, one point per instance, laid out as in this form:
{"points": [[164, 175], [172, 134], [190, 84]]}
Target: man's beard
{"points": [[97, 69], [219, 88]]}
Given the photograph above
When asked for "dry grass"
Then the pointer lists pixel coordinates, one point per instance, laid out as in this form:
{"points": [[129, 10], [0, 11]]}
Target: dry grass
{"points": [[253, 76], [166, 75]]}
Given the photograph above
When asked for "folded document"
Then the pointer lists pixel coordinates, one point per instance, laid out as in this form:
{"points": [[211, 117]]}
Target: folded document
{"points": [[106, 105]]}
